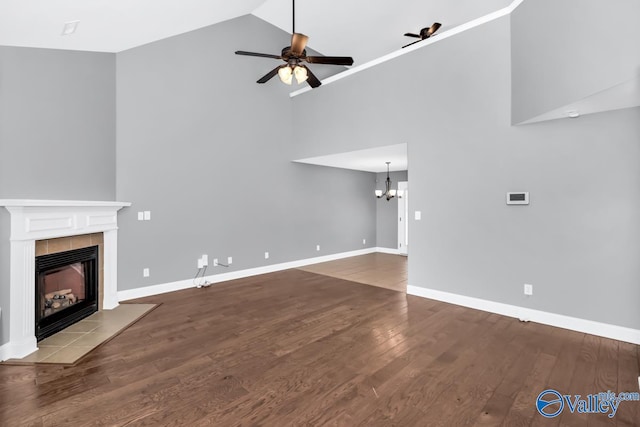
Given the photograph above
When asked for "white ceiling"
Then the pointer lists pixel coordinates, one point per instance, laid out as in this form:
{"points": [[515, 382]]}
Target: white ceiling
{"points": [[369, 160], [109, 25], [623, 95], [359, 28]]}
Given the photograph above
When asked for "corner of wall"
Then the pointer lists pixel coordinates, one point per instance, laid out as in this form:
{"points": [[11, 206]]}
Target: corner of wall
{"points": [[4, 275]]}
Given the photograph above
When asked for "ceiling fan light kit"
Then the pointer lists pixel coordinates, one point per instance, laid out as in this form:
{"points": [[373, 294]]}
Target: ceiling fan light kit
{"points": [[294, 56], [287, 73]]}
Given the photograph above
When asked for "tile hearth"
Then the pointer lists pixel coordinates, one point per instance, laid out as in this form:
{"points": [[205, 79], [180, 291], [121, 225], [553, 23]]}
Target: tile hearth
{"points": [[72, 343]]}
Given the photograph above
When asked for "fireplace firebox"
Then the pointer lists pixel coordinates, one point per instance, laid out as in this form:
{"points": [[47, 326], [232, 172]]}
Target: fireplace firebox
{"points": [[66, 289]]}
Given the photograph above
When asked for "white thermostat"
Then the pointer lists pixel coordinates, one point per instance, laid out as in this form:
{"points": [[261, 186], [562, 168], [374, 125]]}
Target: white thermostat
{"points": [[518, 198]]}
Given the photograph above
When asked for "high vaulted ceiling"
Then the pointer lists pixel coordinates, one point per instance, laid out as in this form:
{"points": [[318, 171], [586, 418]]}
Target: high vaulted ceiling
{"points": [[359, 28], [362, 29]]}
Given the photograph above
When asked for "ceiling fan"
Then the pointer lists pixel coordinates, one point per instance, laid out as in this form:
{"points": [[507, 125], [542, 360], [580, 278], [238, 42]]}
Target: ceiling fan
{"points": [[425, 33], [294, 56]]}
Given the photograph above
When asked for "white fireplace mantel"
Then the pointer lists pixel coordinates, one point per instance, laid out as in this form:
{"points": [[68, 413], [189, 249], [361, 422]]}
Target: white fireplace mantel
{"points": [[33, 220]]}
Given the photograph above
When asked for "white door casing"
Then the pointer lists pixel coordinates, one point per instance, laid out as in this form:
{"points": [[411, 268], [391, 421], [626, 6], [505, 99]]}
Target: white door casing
{"points": [[403, 214]]}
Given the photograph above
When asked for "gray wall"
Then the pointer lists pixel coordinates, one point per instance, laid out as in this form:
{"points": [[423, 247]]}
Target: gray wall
{"points": [[578, 242], [57, 124], [387, 212], [331, 103], [208, 152], [564, 51], [57, 134]]}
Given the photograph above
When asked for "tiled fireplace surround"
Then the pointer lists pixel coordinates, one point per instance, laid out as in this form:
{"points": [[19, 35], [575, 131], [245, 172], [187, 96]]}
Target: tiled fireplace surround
{"points": [[64, 244], [54, 225]]}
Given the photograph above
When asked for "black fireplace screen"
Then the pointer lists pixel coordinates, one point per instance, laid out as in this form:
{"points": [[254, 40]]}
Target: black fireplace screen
{"points": [[66, 289]]}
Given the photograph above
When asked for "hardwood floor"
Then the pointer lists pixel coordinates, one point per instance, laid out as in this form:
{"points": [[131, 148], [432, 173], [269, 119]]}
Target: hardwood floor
{"points": [[298, 348], [376, 269]]}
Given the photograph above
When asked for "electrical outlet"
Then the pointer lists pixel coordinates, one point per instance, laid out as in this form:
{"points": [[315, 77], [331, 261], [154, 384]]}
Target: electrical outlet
{"points": [[528, 289], [266, 255], [145, 272], [200, 263], [418, 215], [229, 260], [205, 260], [215, 262], [364, 241], [317, 247]]}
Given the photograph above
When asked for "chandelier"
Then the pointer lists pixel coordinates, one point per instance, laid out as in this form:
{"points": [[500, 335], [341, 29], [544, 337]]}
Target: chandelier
{"points": [[389, 193]]}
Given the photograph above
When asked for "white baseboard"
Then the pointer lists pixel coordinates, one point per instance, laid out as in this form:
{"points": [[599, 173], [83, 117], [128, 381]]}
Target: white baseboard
{"points": [[4, 352], [619, 333], [217, 278], [12, 350], [388, 251]]}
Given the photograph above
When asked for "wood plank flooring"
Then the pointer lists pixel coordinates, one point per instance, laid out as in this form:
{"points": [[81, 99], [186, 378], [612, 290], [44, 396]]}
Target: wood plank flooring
{"points": [[376, 269], [296, 348]]}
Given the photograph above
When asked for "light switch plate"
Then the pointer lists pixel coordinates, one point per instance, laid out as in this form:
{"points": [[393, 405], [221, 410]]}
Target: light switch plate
{"points": [[418, 215], [140, 216], [147, 215]]}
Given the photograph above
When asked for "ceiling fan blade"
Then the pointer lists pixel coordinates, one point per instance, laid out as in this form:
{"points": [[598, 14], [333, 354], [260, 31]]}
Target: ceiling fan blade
{"points": [[406, 45], [433, 28], [312, 79], [262, 55], [298, 43], [412, 35], [270, 74], [332, 60]]}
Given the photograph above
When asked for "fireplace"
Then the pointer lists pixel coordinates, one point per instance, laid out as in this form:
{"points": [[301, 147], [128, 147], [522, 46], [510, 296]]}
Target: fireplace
{"points": [[66, 289], [31, 222]]}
